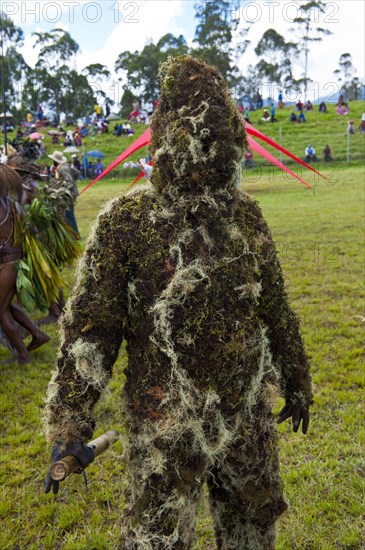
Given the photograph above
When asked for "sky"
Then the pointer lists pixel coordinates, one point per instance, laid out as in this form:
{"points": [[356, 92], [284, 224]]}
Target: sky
{"points": [[103, 29]]}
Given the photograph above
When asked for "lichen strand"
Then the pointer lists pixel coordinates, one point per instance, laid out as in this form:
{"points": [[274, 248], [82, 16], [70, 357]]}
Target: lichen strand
{"points": [[186, 272]]}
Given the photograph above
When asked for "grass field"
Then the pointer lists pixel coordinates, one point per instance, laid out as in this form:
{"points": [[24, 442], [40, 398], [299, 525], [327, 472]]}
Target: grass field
{"points": [[319, 237]]}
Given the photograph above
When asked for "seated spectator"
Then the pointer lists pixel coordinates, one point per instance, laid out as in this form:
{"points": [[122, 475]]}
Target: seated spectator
{"points": [[301, 117], [84, 131], [55, 140], [309, 106], [310, 154], [350, 127], [327, 153], [118, 130], [265, 116], [246, 115], [248, 160], [342, 109], [293, 117], [341, 100], [362, 124], [322, 107], [99, 168], [67, 142], [299, 106], [127, 129]]}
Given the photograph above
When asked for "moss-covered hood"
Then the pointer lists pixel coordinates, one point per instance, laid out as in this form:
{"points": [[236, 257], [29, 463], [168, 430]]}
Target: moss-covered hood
{"points": [[197, 132]]}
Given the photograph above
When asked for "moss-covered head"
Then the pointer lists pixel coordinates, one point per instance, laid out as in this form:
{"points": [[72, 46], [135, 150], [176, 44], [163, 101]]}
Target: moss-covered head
{"points": [[197, 132]]}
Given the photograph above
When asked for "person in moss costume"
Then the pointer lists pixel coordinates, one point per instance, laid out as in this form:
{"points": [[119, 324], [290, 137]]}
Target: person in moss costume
{"points": [[185, 270]]}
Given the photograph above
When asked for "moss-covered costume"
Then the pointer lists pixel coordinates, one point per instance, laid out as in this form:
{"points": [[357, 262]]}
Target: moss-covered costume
{"points": [[186, 271]]}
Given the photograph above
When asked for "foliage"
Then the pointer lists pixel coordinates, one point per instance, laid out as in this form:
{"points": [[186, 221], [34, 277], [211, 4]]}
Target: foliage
{"points": [[307, 34], [214, 39], [350, 84], [142, 67], [15, 67], [97, 74], [278, 52]]}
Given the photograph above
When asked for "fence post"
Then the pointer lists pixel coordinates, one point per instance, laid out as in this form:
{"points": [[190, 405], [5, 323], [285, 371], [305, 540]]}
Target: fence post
{"points": [[348, 146]]}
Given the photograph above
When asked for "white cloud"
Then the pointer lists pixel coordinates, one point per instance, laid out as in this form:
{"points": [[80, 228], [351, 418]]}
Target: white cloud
{"points": [[134, 35]]}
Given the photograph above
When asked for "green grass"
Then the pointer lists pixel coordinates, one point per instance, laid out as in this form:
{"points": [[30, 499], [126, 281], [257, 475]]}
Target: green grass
{"points": [[319, 236]]}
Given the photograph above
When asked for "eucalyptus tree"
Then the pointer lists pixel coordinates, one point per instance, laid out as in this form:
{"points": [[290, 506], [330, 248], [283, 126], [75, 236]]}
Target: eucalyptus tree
{"points": [[14, 69], [308, 33], [140, 69]]}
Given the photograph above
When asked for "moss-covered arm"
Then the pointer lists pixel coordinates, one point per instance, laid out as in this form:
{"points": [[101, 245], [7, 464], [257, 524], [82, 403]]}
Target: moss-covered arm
{"points": [[92, 332], [286, 343]]}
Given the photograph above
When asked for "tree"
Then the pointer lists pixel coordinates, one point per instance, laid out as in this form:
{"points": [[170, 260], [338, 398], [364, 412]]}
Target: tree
{"points": [[308, 34], [128, 98], [277, 65], [56, 47], [214, 38], [97, 76], [15, 69], [349, 83], [61, 87], [141, 68]]}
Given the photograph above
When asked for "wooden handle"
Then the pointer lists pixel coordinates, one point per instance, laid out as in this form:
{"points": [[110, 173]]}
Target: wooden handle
{"points": [[69, 464], [103, 442], [64, 467]]}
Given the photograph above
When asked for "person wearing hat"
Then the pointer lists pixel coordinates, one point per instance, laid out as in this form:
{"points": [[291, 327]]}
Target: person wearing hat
{"points": [[63, 172], [76, 163], [265, 116]]}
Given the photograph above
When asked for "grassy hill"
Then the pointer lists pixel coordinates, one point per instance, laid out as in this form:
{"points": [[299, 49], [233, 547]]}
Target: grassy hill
{"points": [[319, 130]]}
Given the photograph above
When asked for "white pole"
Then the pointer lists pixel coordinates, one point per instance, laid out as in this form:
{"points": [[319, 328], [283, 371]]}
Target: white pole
{"points": [[348, 146], [280, 141]]}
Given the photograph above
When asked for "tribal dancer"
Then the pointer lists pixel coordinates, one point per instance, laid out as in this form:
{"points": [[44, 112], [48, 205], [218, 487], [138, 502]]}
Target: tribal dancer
{"points": [[12, 317], [185, 270]]}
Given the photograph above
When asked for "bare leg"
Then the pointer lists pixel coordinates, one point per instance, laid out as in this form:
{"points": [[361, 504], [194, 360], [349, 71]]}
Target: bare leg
{"points": [[8, 324], [55, 310], [39, 337]]}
